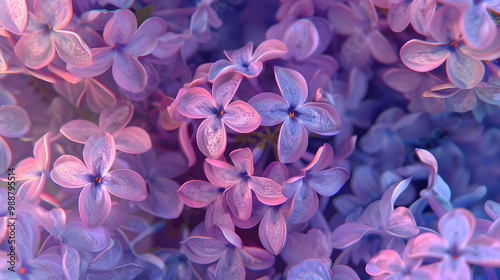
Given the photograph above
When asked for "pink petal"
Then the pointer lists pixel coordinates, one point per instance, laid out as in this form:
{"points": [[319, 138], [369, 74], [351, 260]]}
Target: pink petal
{"points": [[463, 70], [230, 266], [256, 258], [211, 137], [129, 73], [71, 48], [103, 58], [292, 86], [381, 48], [144, 40], [79, 130], [32, 189], [82, 238], [430, 162], [320, 118], [457, 227], [71, 262], [219, 68], [272, 231], [98, 96], [271, 107], [292, 141], [328, 182], [427, 244], [401, 223], [70, 172], [478, 28], [302, 39], [14, 15], [343, 19], [277, 172], [226, 234], [385, 261], [444, 24], [241, 117], [399, 16], [240, 56], [126, 184], [450, 268], [27, 169], [423, 56], [421, 13], [120, 28], [239, 200], [269, 49], [94, 205], [133, 139], [483, 251], [186, 145], [243, 160], [349, 233], [224, 88], [57, 13], [14, 121], [35, 50], [197, 193], [221, 173], [203, 250], [216, 215], [196, 103], [268, 191], [99, 153], [304, 203], [114, 119]]}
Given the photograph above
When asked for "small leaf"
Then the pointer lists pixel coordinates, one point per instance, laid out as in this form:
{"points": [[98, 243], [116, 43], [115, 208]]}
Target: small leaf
{"points": [[143, 14]]}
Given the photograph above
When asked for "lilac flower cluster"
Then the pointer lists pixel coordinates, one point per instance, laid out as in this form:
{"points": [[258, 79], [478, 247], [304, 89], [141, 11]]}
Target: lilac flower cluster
{"points": [[233, 139]]}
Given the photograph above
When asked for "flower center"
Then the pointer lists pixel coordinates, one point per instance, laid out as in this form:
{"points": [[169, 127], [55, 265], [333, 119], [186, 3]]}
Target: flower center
{"points": [[221, 113], [292, 114], [49, 26], [454, 44], [22, 270], [98, 180]]}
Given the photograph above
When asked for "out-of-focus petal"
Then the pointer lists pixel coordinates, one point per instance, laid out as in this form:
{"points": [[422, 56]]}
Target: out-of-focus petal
{"points": [[421, 13], [129, 73], [457, 227], [82, 238], [197, 193], [328, 182], [489, 93], [94, 205], [224, 88], [292, 86], [343, 18], [114, 119], [230, 266], [463, 70], [268, 191], [423, 56], [401, 223], [482, 250], [120, 28], [163, 201], [381, 48], [35, 50], [478, 28], [385, 261], [309, 269], [71, 48], [70, 172], [269, 49], [444, 24], [292, 141], [99, 97], [320, 118], [203, 250], [272, 231], [57, 13], [427, 244], [14, 15], [99, 153], [241, 117], [271, 107], [126, 184], [349, 233], [399, 16], [133, 139], [196, 103], [14, 121], [5, 155], [79, 130], [144, 40], [451, 268], [302, 39], [211, 137], [461, 102]]}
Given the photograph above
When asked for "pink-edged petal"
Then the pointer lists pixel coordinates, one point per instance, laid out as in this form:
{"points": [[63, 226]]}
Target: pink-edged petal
{"points": [[211, 137], [129, 73], [94, 205], [269, 49], [268, 191], [421, 13], [27, 169], [292, 86], [79, 130], [99, 153], [5, 155], [328, 182], [230, 266], [451, 268], [292, 141], [196, 103], [32, 189], [323, 158], [277, 172], [120, 28], [221, 173], [240, 56], [427, 244], [70, 172], [14, 15], [478, 28], [489, 93], [399, 16], [241, 117], [82, 238], [239, 199], [313, 269], [302, 39], [226, 234], [71, 48], [98, 96], [457, 227], [116, 118], [133, 139], [461, 102], [71, 263], [243, 160], [442, 91], [103, 58], [349, 233], [463, 70], [272, 231], [203, 250], [320, 118], [224, 88], [304, 204], [186, 145], [41, 151], [144, 40], [271, 107], [216, 215], [423, 56], [197, 193], [482, 250], [35, 50], [57, 13], [385, 261], [256, 258], [430, 162], [381, 48], [444, 25], [126, 184], [401, 223], [14, 121], [219, 68]]}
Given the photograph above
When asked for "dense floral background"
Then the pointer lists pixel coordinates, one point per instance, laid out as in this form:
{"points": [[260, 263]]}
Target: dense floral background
{"points": [[249, 139]]}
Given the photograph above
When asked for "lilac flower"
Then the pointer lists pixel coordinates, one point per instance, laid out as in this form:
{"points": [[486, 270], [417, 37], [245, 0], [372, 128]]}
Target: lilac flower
{"points": [[95, 203], [309, 269], [45, 34], [132, 139], [202, 19], [126, 43], [244, 62], [456, 246], [418, 12], [14, 15], [313, 178], [320, 118], [198, 103]]}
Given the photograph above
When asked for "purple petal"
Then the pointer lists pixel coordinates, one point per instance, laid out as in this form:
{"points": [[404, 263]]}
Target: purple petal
{"points": [[94, 205], [221, 173], [14, 121], [421, 13], [99, 97], [163, 201], [80, 237], [239, 199], [309, 269], [203, 250], [133, 139], [70, 172], [463, 70], [240, 56], [226, 234], [423, 56], [57, 13], [165, 168], [71, 48], [401, 223], [269, 49], [243, 160], [219, 68], [478, 28], [323, 158], [271, 107], [196, 103], [320, 118], [302, 39], [47, 264], [272, 231], [385, 261], [483, 251], [224, 88], [99, 153], [129, 73], [399, 16], [126, 184], [276, 171], [120, 28], [328, 182], [427, 244], [304, 204], [144, 40], [343, 18], [35, 50], [230, 266], [430, 162], [216, 215], [292, 141], [241, 117], [26, 169], [349, 233], [211, 137], [450, 268], [41, 151], [256, 258], [14, 15], [197, 193], [344, 272], [457, 227], [116, 118], [268, 191], [79, 130], [444, 24], [461, 102], [103, 58], [292, 86], [488, 92]]}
